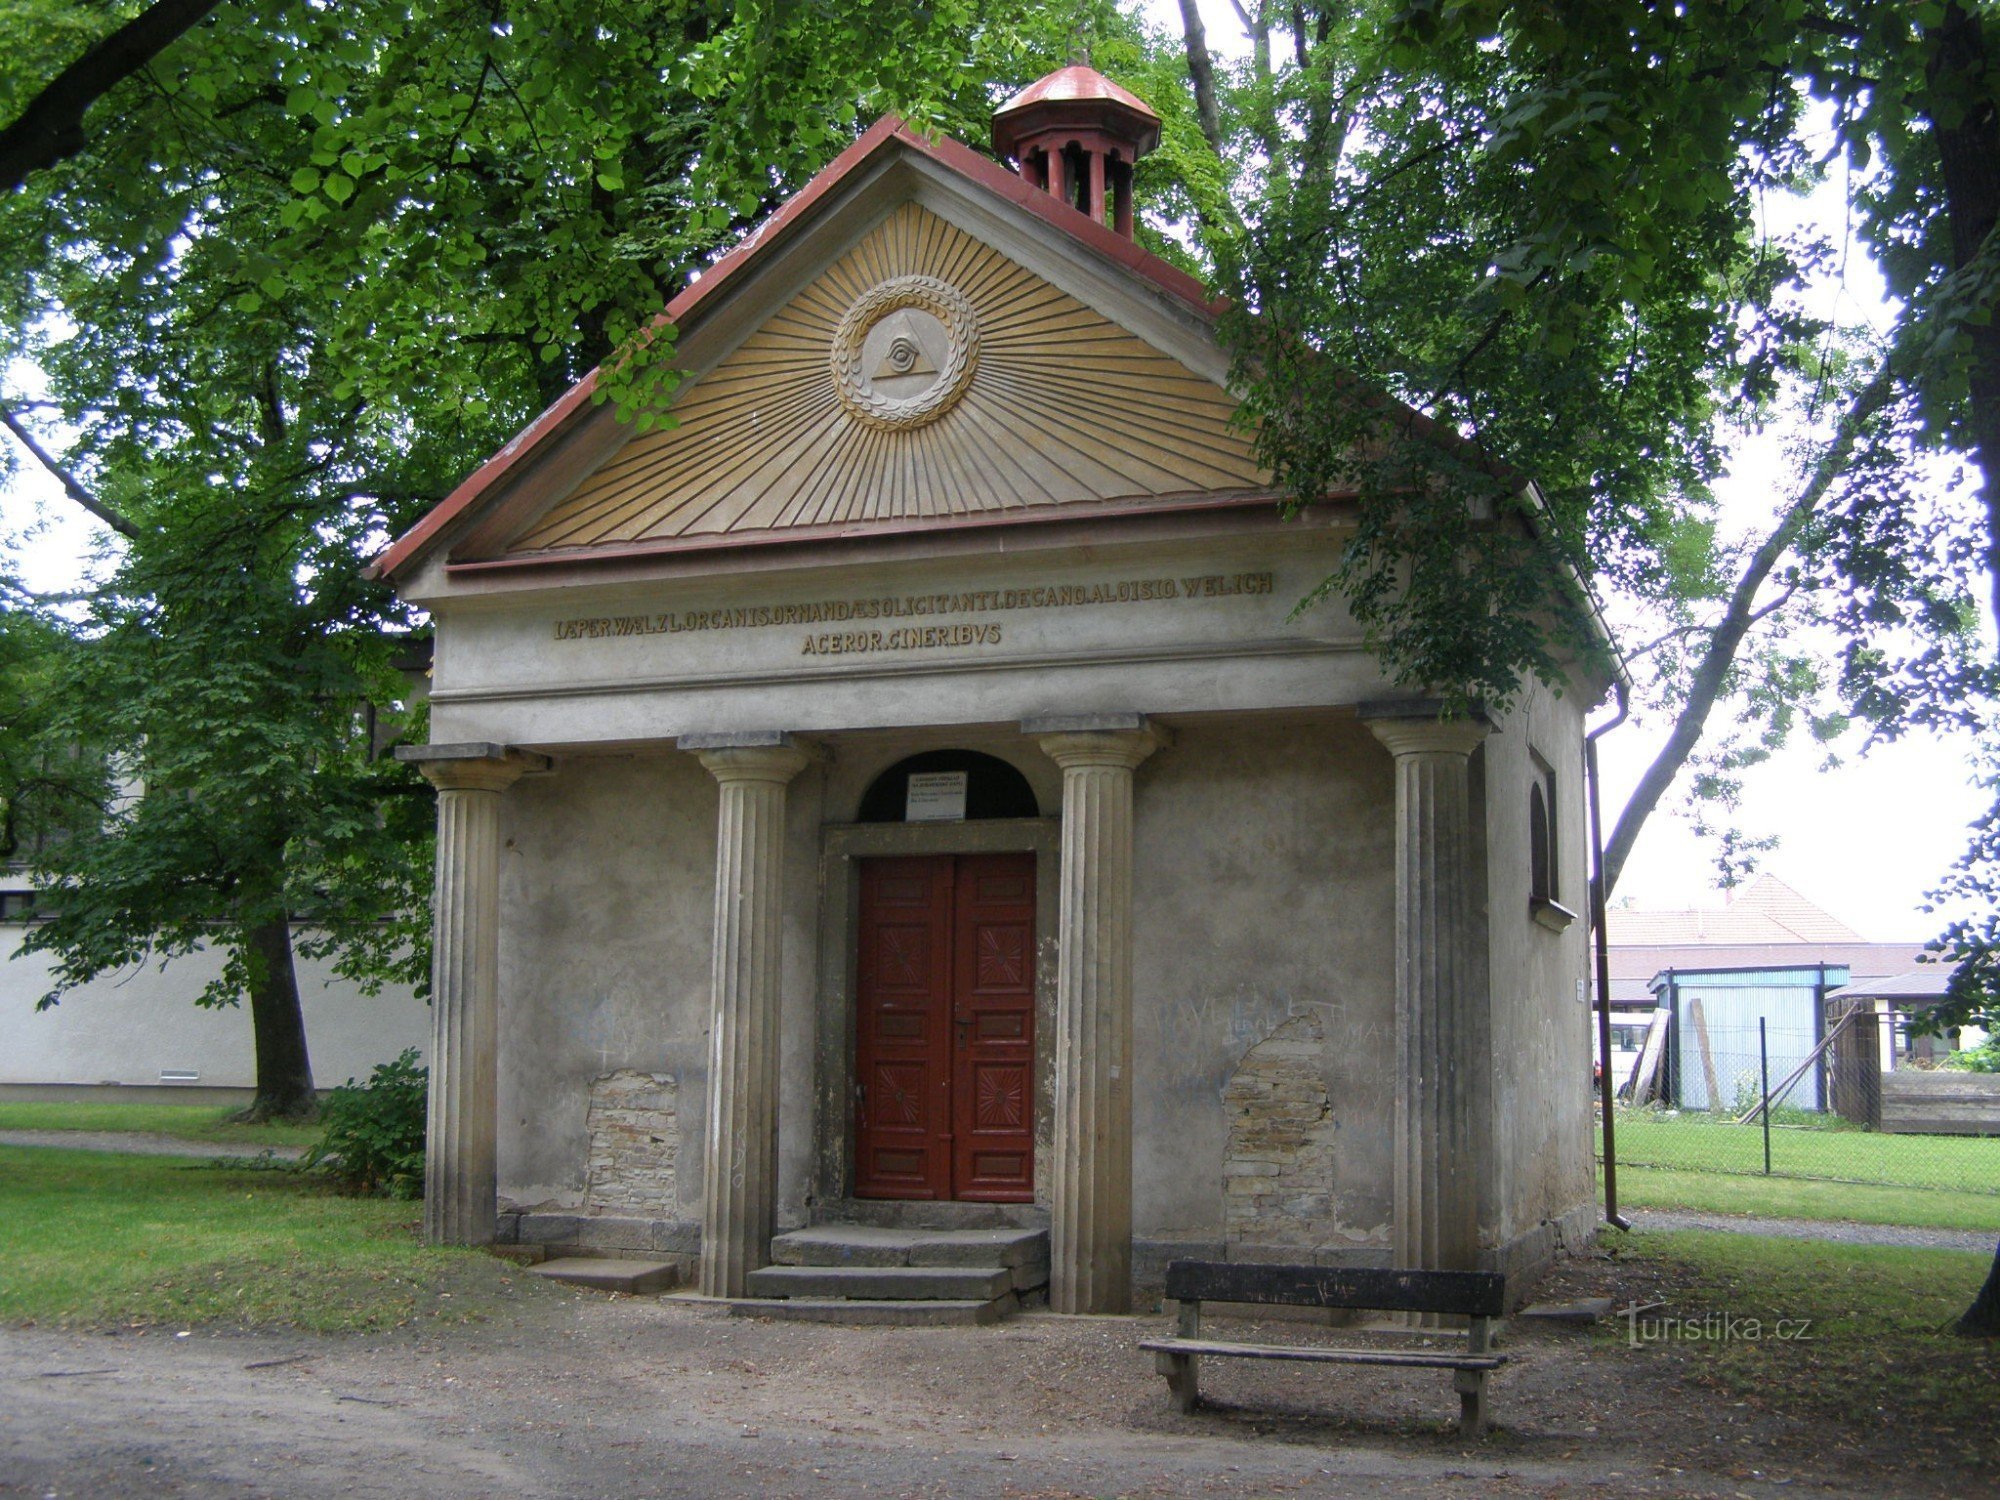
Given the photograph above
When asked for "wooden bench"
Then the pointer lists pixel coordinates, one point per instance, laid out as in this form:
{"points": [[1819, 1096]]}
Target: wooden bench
{"points": [[1474, 1294]]}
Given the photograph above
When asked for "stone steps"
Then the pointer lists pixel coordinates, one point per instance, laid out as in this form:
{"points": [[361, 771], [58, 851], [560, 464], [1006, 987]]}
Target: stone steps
{"points": [[860, 1312], [869, 1274], [866, 1245], [637, 1277], [883, 1283]]}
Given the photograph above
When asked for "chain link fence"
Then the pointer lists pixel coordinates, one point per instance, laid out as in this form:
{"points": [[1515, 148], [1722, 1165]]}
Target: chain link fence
{"points": [[1694, 1100]]}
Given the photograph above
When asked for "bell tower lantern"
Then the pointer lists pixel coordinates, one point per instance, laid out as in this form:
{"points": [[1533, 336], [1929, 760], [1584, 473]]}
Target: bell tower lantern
{"points": [[1075, 134]]}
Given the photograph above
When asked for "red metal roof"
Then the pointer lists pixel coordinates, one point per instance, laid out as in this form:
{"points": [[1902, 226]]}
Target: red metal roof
{"points": [[887, 133], [1765, 912], [1076, 82]]}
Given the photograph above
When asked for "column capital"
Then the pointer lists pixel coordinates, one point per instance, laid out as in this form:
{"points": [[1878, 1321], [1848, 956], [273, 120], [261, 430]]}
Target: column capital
{"points": [[474, 765], [756, 755], [1080, 740], [1418, 727]]}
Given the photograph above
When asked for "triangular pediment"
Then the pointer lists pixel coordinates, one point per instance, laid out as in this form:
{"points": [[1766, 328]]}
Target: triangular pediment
{"points": [[922, 375]]}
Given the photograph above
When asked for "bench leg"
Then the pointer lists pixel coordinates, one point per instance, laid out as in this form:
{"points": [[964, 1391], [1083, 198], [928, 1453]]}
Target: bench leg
{"points": [[1471, 1388], [1183, 1372]]}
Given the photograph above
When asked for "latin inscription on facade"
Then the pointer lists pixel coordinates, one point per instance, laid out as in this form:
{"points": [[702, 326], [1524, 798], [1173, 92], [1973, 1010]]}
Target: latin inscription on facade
{"points": [[887, 609]]}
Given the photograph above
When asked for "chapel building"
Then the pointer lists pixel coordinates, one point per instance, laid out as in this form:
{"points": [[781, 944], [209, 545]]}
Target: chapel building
{"points": [[902, 793]]}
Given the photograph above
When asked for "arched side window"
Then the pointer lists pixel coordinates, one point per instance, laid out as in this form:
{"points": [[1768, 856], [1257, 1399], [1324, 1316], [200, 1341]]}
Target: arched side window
{"points": [[1544, 848], [993, 789], [1541, 853]]}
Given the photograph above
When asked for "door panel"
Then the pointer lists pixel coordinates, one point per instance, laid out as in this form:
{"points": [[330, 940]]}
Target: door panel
{"points": [[945, 1021], [993, 1024], [903, 1039]]}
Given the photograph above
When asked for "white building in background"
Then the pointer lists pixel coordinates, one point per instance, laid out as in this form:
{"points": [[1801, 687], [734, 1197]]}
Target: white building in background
{"points": [[140, 1030]]}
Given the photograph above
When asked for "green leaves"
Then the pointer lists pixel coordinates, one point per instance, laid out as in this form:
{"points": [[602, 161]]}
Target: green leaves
{"points": [[305, 277], [374, 1137]]}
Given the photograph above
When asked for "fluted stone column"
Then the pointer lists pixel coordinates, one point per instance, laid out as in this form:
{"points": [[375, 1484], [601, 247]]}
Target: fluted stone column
{"points": [[459, 1183], [739, 1177], [1090, 1230], [1440, 1144]]}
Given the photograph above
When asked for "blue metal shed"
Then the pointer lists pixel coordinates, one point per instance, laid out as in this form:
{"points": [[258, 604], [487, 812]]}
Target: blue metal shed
{"points": [[1714, 1032]]}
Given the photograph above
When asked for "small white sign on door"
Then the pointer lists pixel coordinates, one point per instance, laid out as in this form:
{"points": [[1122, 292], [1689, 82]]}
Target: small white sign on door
{"points": [[936, 797]]}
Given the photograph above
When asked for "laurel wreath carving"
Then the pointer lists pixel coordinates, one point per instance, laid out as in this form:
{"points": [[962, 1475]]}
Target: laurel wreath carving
{"points": [[942, 301]]}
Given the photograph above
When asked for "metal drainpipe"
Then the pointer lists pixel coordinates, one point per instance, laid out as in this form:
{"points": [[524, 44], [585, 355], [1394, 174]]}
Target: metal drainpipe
{"points": [[1597, 901]]}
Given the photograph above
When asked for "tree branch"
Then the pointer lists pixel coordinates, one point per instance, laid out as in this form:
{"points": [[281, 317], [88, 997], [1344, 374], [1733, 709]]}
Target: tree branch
{"points": [[1743, 612], [72, 486], [270, 407], [50, 129], [1201, 72], [1774, 606], [1678, 633], [1258, 29]]}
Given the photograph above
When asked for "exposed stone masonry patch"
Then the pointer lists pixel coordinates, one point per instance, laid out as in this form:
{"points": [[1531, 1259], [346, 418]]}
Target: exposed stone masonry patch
{"points": [[1277, 1171], [633, 1145]]}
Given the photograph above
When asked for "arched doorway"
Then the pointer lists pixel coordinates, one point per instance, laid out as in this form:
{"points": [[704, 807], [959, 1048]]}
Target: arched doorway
{"points": [[945, 994], [991, 788]]}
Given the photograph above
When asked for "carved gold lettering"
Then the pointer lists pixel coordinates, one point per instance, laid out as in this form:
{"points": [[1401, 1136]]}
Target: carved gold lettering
{"points": [[909, 638], [913, 606]]}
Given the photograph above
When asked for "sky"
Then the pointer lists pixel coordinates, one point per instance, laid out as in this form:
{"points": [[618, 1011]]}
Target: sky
{"points": [[1867, 841]]}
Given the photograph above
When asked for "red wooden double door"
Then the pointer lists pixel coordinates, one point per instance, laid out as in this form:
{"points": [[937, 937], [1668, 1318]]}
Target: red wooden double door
{"points": [[945, 1033]]}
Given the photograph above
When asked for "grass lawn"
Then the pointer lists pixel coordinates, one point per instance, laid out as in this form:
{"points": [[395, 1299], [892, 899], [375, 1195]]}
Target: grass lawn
{"points": [[91, 1239], [193, 1122], [1702, 1143], [1875, 1354], [1795, 1198]]}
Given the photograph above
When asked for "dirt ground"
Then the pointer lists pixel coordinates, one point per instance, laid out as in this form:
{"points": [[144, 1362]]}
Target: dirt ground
{"points": [[575, 1395]]}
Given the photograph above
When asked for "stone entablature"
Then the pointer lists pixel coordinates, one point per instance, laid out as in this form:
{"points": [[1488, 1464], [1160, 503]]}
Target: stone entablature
{"points": [[1202, 626]]}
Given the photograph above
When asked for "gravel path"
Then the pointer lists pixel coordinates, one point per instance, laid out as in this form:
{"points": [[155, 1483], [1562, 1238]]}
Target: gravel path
{"points": [[558, 1395], [138, 1143], [1839, 1232], [564, 1398]]}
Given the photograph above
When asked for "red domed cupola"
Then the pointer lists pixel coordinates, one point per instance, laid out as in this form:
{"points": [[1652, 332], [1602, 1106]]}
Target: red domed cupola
{"points": [[1076, 133]]}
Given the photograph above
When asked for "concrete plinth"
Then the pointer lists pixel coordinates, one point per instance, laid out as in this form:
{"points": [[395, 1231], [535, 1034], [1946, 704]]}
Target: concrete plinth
{"points": [[740, 1171], [1440, 1145], [1090, 1231]]}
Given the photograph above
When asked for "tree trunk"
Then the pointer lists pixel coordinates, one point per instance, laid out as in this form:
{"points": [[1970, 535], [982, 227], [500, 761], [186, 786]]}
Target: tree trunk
{"points": [[1965, 120], [284, 1072], [1727, 638], [51, 127], [1963, 115], [1201, 72], [1982, 1319]]}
